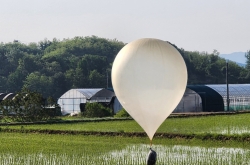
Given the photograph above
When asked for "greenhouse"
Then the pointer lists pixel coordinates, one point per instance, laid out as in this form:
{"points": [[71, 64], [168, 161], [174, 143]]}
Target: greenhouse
{"points": [[4, 96], [74, 100], [197, 98], [239, 95], [213, 98]]}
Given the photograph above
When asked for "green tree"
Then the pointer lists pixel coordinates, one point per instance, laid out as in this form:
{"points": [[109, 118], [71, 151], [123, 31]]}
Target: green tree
{"points": [[30, 63], [15, 81], [59, 85], [25, 106], [247, 55], [42, 45], [52, 67], [91, 71], [3, 83], [96, 79], [39, 83]]}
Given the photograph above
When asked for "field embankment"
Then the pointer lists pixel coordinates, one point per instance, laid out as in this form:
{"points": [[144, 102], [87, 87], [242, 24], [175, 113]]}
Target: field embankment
{"points": [[209, 126]]}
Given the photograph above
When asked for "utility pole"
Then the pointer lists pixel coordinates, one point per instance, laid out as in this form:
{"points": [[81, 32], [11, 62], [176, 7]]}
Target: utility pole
{"points": [[107, 79], [228, 101]]}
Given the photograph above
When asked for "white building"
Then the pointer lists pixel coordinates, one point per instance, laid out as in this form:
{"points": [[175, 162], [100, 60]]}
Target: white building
{"points": [[74, 100]]}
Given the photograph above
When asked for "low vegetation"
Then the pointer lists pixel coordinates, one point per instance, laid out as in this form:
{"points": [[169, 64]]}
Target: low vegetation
{"points": [[96, 110], [219, 127], [17, 148], [219, 139], [122, 113]]}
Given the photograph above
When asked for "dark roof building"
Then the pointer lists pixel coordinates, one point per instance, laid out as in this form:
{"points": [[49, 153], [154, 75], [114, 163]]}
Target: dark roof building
{"points": [[213, 98]]}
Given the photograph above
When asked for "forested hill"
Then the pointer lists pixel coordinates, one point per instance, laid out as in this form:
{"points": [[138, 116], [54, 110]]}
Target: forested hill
{"points": [[53, 67]]}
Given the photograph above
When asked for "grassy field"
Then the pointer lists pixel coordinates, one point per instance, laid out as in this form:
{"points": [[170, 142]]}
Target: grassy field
{"points": [[21, 148], [63, 149], [221, 124]]}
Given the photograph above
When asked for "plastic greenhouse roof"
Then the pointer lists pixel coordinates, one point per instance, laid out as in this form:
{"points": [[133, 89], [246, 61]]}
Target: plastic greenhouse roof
{"points": [[211, 100], [88, 93], [235, 90], [103, 93], [4, 96]]}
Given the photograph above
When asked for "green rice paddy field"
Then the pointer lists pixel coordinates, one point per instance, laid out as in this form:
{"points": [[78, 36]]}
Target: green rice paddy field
{"points": [[220, 124], [64, 149]]}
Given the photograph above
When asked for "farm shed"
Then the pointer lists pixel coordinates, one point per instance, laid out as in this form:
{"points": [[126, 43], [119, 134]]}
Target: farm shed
{"points": [[213, 98], [74, 100]]}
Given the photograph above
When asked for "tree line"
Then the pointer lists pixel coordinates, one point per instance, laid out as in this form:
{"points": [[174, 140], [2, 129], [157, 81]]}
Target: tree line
{"points": [[53, 67], [28, 106]]}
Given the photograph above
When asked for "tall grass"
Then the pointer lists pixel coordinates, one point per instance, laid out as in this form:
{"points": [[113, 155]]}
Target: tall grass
{"points": [[23, 149]]}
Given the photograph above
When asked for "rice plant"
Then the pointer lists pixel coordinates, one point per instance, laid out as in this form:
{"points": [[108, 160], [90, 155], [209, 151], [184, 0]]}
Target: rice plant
{"points": [[220, 124], [136, 155]]}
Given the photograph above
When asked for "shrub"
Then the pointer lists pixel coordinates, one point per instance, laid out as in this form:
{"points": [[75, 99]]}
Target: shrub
{"points": [[122, 113], [96, 110]]}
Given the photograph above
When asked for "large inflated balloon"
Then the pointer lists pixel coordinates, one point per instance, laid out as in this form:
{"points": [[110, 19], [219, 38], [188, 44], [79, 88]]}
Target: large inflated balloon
{"points": [[149, 77]]}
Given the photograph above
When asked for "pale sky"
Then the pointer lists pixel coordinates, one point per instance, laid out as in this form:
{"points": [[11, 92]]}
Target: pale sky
{"points": [[195, 25]]}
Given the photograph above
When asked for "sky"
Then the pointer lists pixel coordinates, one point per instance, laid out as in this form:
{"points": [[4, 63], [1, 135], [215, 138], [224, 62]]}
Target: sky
{"points": [[194, 25]]}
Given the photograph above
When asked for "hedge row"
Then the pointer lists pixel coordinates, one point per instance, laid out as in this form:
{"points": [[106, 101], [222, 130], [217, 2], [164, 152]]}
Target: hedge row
{"points": [[206, 136], [173, 115]]}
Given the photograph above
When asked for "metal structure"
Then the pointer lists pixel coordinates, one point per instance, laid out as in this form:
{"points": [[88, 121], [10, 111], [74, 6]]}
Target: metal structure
{"points": [[74, 100], [190, 102], [4, 96], [214, 98], [238, 97], [228, 101]]}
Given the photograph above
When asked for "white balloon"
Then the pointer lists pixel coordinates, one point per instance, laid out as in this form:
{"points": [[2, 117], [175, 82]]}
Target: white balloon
{"points": [[149, 77]]}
